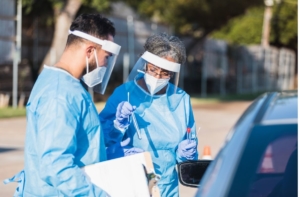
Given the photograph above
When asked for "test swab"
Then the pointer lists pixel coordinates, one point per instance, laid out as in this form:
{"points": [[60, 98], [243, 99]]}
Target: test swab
{"points": [[135, 122], [140, 71], [198, 132]]}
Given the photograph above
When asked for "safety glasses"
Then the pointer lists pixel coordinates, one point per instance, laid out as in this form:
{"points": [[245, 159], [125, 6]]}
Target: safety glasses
{"points": [[156, 71]]}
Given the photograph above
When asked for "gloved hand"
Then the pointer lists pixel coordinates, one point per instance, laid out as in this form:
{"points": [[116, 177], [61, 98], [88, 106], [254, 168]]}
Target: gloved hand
{"points": [[187, 149], [122, 149], [124, 111]]}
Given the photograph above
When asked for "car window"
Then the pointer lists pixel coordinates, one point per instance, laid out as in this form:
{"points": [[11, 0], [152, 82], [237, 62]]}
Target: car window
{"points": [[277, 154], [283, 108], [268, 167], [272, 166]]}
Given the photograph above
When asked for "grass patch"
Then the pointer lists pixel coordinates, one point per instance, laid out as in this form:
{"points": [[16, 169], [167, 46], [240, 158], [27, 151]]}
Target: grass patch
{"points": [[10, 112], [211, 99], [197, 99], [100, 106]]}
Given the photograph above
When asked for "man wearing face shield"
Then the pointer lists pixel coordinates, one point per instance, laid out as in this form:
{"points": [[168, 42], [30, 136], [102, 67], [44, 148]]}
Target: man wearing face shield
{"points": [[63, 131], [150, 113]]}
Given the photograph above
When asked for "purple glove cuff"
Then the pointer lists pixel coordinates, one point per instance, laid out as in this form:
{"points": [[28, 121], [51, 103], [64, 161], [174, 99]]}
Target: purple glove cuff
{"points": [[187, 149], [120, 126]]}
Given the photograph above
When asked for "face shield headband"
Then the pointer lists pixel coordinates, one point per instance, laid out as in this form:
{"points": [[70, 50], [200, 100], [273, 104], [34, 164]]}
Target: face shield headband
{"points": [[148, 57], [161, 62], [108, 46]]}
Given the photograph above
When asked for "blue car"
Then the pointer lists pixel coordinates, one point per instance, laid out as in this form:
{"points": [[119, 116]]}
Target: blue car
{"points": [[259, 157]]}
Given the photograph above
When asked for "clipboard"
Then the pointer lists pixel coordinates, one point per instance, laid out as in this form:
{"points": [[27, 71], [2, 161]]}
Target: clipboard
{"points": [[131, 176]]}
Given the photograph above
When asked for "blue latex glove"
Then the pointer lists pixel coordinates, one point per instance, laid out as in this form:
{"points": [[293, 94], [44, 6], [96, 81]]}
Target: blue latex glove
{"points": [[124, 111], [122, 149], [187, 149]]}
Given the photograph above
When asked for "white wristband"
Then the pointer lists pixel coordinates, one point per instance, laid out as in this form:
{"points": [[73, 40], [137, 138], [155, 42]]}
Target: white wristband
{"points": [[119, 128]]}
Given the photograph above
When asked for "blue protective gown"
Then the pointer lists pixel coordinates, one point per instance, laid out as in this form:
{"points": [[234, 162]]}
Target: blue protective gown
{"points": [[163, 121], [63, 134]]}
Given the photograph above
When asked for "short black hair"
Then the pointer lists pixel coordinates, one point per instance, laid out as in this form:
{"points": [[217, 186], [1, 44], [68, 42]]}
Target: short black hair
{"points": [[93, 24]]}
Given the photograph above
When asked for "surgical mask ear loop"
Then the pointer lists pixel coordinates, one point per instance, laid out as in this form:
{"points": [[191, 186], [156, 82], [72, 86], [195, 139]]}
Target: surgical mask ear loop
{"points": [[86, 64], [96, 58]]}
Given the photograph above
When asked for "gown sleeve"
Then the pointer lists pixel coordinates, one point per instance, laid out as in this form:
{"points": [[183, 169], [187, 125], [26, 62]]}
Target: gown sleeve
{"points": [[57, 125]]}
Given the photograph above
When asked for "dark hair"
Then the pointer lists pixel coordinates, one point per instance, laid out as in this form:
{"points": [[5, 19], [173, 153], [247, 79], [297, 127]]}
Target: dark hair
{"points": [[93, 24]]}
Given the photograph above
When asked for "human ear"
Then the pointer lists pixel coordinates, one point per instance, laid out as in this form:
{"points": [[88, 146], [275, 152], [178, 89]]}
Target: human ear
{"points": [[89, 51]]}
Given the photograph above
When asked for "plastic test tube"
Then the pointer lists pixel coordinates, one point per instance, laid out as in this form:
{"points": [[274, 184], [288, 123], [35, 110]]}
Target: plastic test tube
{"points": [[136, 126], [188, 130]]}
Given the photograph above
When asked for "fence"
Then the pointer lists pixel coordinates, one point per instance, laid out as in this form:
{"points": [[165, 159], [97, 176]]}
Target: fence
{"points": [[218, 68], [131, 35], [7, 30]]}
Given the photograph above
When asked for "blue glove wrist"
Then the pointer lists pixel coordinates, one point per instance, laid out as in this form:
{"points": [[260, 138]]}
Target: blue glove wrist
{"points": [[120, 127], [123, 115], [187, 149]]}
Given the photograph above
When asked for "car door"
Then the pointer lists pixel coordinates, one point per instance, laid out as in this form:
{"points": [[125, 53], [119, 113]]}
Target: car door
{"points": [[268, 167]]}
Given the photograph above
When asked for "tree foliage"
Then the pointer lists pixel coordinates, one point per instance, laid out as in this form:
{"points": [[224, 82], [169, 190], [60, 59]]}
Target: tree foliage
{"points": [[193, 17], [247, 29], [284, 25], [58, 15], [238, 22], [49, 8]]}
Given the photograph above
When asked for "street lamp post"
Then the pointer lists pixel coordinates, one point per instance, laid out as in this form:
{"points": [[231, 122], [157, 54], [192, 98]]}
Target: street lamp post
{"points": [[17, 53], [266, 23]]}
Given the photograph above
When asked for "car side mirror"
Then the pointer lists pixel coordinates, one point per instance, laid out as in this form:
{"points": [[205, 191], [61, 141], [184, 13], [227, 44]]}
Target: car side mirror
{"points": [[190, 173]]}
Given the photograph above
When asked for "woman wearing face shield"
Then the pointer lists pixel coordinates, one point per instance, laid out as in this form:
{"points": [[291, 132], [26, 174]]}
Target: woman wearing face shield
{"points": [[150, 113]]}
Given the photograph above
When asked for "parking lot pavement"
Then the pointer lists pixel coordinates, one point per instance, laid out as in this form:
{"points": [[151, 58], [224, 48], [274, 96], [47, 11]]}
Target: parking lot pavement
{"points": [[12, 137], [215, 121]]}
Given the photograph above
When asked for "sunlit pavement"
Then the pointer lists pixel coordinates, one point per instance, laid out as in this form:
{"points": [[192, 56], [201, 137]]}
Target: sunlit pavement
{"points": [[215, 121]]}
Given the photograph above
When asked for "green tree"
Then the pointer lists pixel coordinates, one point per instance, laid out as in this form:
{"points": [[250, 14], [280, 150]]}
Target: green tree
{"points": [[284, 25], [193, 17], [247, 29], [59, 14]]}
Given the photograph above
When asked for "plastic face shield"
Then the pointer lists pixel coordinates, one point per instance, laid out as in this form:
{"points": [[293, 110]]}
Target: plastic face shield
{"points": [[108, 46], [172, 96], [157, 61]]}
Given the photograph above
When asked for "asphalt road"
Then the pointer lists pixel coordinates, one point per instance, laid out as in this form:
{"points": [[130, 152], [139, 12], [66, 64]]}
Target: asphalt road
{"points": [[215, 121]]}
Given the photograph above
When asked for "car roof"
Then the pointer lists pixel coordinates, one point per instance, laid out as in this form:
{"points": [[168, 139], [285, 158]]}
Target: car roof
{"points": [[279, 107]]}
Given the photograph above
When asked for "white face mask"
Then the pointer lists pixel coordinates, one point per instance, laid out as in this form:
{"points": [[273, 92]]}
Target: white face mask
{"points": [[96, 76], [154, 85]]}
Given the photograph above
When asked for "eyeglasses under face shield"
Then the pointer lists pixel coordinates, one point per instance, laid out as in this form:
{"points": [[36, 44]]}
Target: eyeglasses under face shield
{"points": [[156, 66], [156, 71]]}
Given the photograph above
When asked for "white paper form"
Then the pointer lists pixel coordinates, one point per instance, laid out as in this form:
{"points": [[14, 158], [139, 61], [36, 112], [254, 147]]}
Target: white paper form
{"points": [[122, 177]]}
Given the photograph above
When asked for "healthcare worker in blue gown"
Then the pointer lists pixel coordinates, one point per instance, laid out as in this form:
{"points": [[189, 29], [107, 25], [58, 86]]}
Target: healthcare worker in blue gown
{"points": [[161, 110], [63, 130]]}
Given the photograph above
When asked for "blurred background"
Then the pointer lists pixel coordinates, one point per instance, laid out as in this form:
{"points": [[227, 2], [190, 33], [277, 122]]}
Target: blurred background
{"points": [[233, 47], [236, 50]]}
